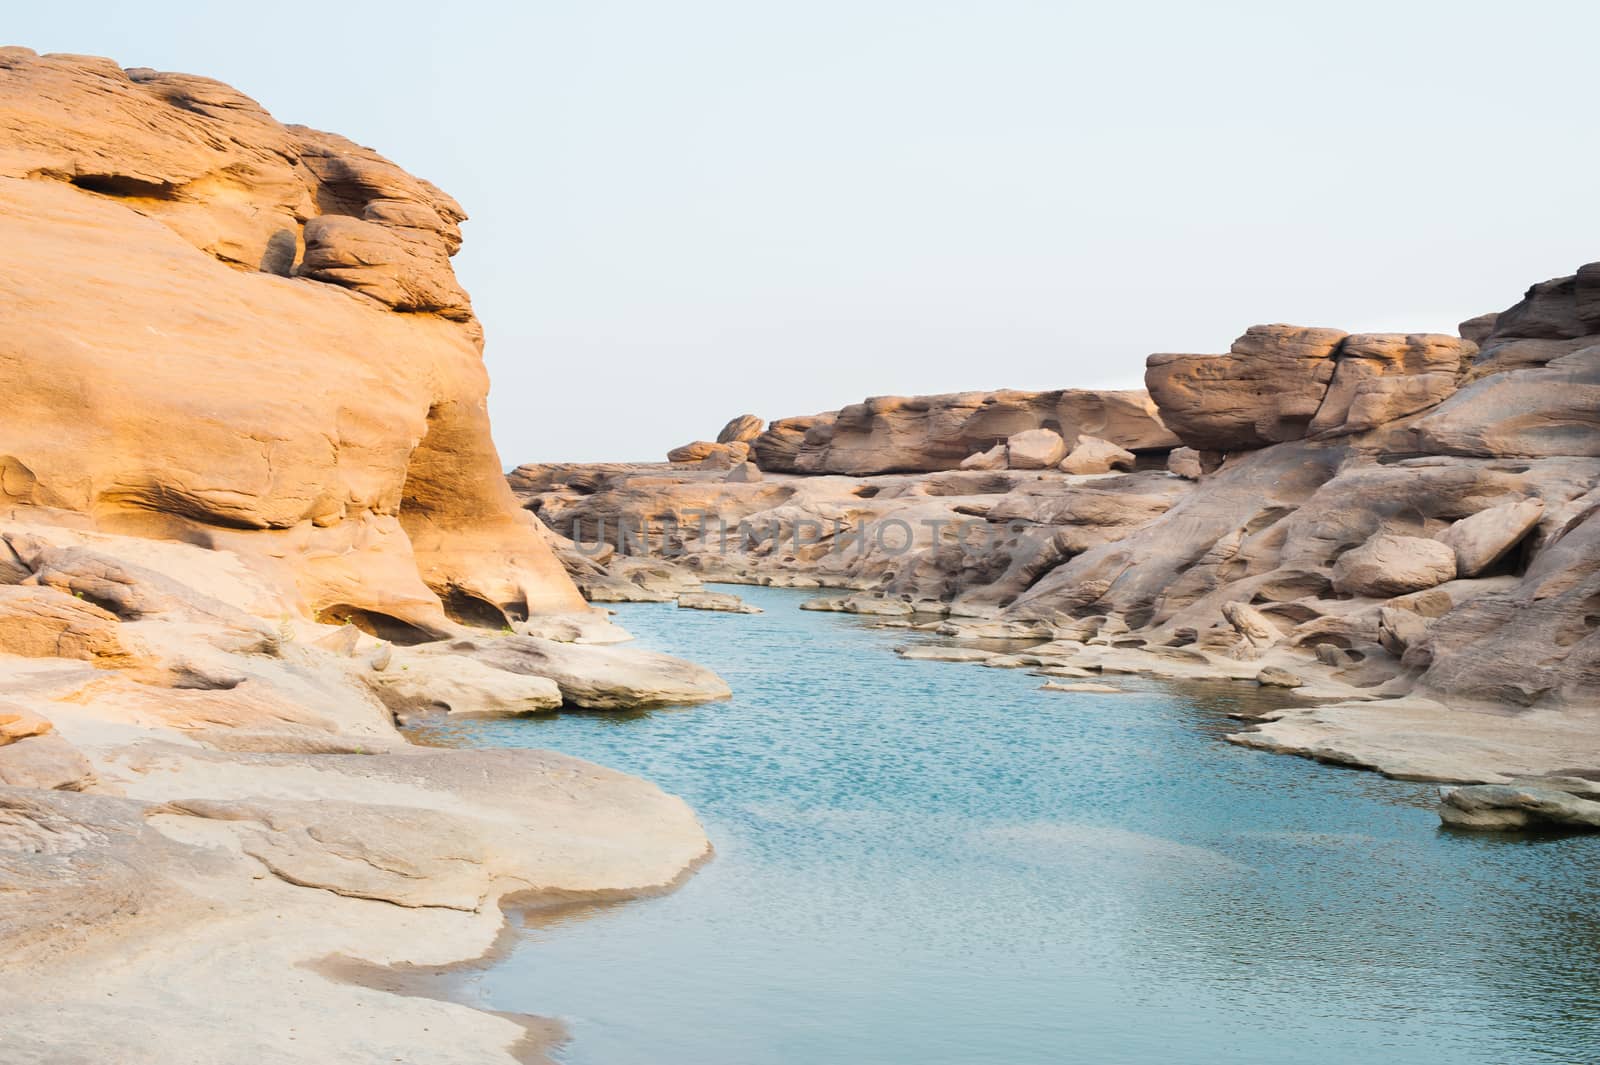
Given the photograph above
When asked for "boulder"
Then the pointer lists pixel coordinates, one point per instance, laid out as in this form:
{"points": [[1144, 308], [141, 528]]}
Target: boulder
{"points": [[458, 685], [1486, 537], [1035, 449], [1511, 807], [1536, 411], [1185, 462], [1478, 329], [1389, 565], [573, 628], [1400, 629], [778, 448], [1093, 455], [1559, 309], [1266, 390], [1251, 624], [19, 723], [992, 459], [725, 457], [741, 430], [1275, 677], [744, 473], [694, 451]]}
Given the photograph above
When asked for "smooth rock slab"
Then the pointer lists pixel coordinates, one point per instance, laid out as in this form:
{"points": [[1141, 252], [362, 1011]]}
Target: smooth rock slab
{"points": [[456, 684], [724, 602], [1486, 537], [596, 678], [48, 762]]}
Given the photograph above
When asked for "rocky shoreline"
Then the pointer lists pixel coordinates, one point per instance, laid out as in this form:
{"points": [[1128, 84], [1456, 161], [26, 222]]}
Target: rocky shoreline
{"points": [[1398, 529], [252, 521]]}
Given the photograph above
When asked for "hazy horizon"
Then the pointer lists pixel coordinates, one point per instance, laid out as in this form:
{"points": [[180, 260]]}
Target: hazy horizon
{"points": [[684, 214]]}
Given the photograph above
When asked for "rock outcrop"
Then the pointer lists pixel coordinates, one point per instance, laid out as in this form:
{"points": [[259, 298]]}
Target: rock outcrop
{"points": [[1406, 524], [1266, 390], [897, 434], [278, 359], [246, 455]]}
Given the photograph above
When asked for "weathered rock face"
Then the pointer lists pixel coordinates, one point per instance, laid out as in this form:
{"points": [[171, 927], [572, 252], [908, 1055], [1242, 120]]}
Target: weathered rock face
{"points": [[894, 434], [1382, 377], [778, 449], [1281, 383], [1266, 390], [1537, 411], [741, 430], [219, 328]]}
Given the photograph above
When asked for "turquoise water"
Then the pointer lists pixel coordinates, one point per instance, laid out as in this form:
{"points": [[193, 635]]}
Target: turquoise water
{"points": [[928, 864]]}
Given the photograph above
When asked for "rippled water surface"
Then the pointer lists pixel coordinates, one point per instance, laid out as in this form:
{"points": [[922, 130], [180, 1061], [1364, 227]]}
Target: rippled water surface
{"points": [[926, 864]]}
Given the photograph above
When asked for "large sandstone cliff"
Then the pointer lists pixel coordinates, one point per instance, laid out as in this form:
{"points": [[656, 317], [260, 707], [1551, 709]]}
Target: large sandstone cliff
{"points": [[219, 328], [250, 519]]}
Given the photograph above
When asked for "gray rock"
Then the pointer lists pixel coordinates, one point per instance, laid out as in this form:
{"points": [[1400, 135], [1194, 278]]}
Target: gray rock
{"points": [[1389, 565], [1508, 807], [1274, 677], [723, 602]]}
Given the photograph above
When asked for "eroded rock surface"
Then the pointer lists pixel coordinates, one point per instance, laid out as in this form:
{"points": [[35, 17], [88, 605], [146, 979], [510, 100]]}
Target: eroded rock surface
{"points": [[246, 454], [278, 358], [1401, 523], [895, 434]]}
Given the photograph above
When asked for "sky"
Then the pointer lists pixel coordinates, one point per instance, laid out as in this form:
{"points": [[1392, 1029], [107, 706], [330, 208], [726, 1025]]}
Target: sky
{"points": [[685, 211]]}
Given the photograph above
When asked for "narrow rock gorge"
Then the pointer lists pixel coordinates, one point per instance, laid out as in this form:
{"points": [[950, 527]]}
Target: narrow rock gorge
{"points": [[1399, 530]]}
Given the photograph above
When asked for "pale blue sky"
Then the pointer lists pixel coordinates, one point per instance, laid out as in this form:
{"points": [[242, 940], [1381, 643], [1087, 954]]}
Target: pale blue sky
{"points": [[687, 210]]}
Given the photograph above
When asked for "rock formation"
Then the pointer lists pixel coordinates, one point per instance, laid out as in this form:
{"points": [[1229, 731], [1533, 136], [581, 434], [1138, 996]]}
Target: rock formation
{"points": [[1408, 525], [279, 361], [250, 517], [898, 434]]}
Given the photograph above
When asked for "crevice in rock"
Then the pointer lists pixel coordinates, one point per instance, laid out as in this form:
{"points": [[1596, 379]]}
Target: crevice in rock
{"points": [[467, 609], [125, 187], [375, 623]]}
